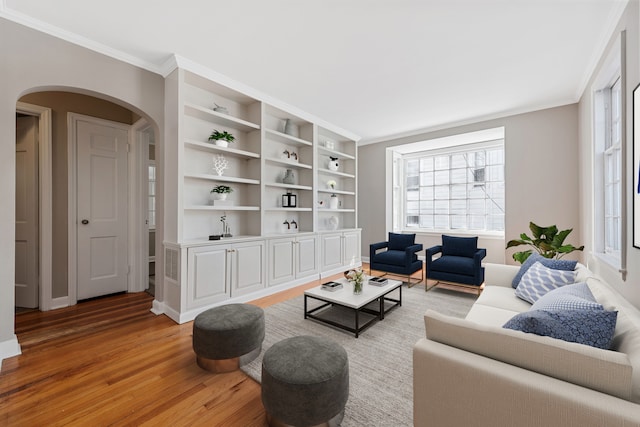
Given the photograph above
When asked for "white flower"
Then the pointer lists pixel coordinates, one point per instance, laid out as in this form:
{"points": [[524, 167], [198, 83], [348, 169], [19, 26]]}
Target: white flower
{"points": [[331, 184]]}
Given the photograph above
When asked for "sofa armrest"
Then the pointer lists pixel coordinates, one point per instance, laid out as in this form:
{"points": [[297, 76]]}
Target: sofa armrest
{"points": [[479, 256], [499, 394], [410, 250], [499, 274]]}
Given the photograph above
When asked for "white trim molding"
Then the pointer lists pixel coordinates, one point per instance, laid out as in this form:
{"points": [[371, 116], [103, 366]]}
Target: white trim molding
{"points": [[9, 349], [45, 191]]}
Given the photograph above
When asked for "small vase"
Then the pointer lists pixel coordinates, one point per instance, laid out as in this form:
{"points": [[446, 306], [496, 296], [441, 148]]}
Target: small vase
{"points": [[357, 287], [333, 164], [333, 202], [289, 177], [219, 196], [222, 143]]}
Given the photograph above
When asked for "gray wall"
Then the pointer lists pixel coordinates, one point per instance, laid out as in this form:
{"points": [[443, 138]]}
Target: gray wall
{"points": [[35, 62], [630, 287], [541, 175]]}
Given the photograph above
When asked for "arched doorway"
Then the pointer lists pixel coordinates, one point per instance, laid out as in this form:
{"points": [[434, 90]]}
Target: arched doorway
{"points": [[58, 289]]}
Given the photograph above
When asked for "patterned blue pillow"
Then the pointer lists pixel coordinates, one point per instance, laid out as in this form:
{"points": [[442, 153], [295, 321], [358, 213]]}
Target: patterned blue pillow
{"points": [[570, 297], [589, 327], [556, 264], [538, 280]]}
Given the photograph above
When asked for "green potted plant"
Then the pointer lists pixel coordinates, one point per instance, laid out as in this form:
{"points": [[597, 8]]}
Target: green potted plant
{"points": [[221, 139], [547, 241], [220, 192]]}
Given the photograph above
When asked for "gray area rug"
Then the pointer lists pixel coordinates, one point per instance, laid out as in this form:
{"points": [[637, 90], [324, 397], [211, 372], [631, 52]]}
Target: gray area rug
{"points": [[380, 360]]}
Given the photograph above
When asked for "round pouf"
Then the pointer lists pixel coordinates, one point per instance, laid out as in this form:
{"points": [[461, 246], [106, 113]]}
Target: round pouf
{"points": [[305, 382], [227, 337]]}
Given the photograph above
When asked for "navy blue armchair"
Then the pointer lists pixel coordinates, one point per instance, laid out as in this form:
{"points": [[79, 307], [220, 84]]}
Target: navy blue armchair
{"points": [[460, 262], [400, 257]]}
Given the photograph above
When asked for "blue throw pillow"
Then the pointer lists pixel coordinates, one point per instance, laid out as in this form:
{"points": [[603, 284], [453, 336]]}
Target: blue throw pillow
{"points": [[557, 264], [399, 242], [589, 327], [538, 280], [459, 246], [570, 297]]}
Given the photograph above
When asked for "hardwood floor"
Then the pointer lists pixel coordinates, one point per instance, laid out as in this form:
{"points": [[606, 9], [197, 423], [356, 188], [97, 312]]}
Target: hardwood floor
{"points": [[112, 362]]}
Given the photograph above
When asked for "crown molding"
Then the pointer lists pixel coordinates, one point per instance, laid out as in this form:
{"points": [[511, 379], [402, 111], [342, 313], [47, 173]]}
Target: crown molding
{"points": [[74, 38], [598, 53]]}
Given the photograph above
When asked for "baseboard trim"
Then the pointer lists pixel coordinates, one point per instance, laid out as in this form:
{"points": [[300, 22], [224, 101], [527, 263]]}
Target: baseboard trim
{"points": [[9, 349], [157, 307], [60, 302]]}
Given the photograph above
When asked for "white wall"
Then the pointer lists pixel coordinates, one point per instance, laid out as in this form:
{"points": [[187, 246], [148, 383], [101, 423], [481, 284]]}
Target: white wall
{"points": [[631, 287], [541, 176], [32, 61]]}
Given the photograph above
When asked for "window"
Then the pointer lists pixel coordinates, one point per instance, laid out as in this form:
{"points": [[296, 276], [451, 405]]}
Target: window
{"points": [[459, 188], [152, 196], [612, 163]]}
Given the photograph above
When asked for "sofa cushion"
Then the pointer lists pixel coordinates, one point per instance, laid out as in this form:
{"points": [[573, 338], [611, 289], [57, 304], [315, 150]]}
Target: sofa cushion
{"points": [[393, 257], [453, 263], [589, 327], [556, 264], [538, 280], [569, 297], [459, 246], [398, 242], [601, 370], [502, 297]]}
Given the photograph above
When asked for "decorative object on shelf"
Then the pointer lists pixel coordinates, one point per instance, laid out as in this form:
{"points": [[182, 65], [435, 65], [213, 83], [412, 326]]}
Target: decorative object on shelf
{"points": [[547, 241], [220, 192], [333, 163], [215, 237], [220, 163], [289, 155], [291, 128], [356, 277], [294, 224], [220, 109], [221, 139], [330, 144], [226, 229], [289, 177], [333, 222], [289, 200], [321, 203], [333, 202], [294, 156], [331, 184], [288, 224]]}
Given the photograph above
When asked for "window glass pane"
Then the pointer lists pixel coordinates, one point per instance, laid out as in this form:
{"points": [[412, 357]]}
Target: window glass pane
{"points": [[441, 162], [458, 222], [413, 195], [458, 176], [458, 161], [426, 221], [459, 191], [426, 164], [426, 178], [441, 192], [442, 222], [442, 177]]}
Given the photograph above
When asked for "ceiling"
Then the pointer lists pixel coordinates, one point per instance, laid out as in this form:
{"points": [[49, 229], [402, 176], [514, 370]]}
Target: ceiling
{"points": [[376, 68]]}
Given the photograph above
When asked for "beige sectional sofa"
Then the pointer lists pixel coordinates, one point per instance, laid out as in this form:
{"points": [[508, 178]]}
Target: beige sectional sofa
{"points": [[473, 372]]}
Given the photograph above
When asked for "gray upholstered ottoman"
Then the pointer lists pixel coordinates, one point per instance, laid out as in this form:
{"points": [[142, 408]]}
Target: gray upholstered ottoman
{"points": [[305, 382], [227, 337]]}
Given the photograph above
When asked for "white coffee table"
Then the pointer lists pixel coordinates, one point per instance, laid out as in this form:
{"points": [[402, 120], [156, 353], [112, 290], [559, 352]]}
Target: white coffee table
{"points": [[371, 302]]}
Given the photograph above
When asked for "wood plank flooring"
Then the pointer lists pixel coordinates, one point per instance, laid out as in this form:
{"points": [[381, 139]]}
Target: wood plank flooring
{"points": [[111, 362]]}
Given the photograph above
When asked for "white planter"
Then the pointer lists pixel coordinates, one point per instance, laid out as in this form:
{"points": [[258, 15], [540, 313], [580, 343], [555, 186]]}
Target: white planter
{"points": [[222, 142], [219, 196]]}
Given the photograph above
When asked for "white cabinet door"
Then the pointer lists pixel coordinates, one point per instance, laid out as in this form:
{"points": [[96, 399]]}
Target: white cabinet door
{"points": [[351, 246], [248, 267], [307, 256], [281, 257], [208, 275], [331, 256]]}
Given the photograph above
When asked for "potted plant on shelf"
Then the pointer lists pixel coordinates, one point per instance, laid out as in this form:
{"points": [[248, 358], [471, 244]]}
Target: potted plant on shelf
{"points": [[221, 139], [219, 192], [547, 241]]}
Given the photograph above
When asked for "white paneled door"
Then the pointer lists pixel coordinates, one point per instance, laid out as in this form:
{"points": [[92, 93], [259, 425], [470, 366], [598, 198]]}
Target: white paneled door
{"points": [[102, 266], [26, 279]]}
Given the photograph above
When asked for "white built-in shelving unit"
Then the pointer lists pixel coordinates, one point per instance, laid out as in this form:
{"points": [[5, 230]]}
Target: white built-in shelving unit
{"points": [[272, 245]]}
